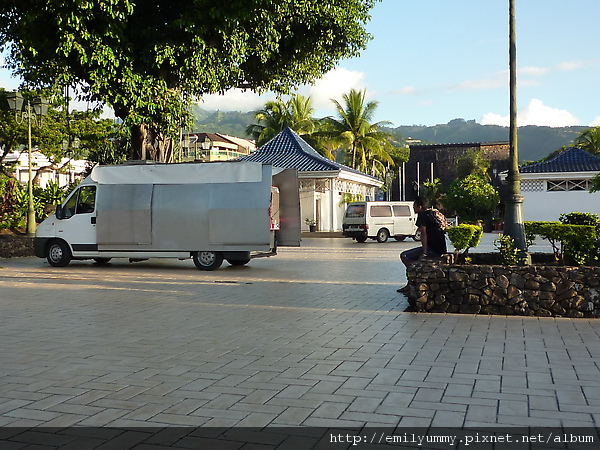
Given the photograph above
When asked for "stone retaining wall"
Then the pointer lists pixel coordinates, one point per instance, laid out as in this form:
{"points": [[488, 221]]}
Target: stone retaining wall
{"points": [[14, 246], [535, 290]]}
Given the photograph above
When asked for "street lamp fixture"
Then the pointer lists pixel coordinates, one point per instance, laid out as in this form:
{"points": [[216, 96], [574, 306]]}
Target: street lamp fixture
{"points": [[39, 107]]}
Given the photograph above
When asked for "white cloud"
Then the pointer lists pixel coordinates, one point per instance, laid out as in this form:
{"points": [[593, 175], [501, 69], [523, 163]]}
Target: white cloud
{"points": [[495, 119], [536, 113], [406, 90], [595, 122], [334, 84], [572, 65], [495, 81], [235, 100]]}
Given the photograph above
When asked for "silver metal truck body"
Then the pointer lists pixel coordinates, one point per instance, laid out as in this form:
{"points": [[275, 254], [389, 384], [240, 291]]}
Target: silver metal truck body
{"points": [[223, 209]]}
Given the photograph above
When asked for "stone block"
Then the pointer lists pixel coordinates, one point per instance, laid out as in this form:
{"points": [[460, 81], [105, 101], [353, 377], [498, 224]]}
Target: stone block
{"points": [[470, 309], [502, 281]]}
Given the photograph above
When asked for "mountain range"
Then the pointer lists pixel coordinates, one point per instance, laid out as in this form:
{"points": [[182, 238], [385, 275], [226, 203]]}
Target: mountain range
{"points": [[535, 142]]}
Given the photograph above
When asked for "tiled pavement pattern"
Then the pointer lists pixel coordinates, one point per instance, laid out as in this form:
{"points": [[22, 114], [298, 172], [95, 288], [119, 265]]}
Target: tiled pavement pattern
{"points": [[316, 336]]}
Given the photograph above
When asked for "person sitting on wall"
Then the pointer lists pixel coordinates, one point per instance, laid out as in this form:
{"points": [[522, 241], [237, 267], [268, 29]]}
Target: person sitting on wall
{"points": [[432, 225]]}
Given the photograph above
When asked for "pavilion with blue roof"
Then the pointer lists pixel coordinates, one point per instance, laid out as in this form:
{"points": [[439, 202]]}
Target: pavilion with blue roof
{"points": [[560, 185], [323, 182]]}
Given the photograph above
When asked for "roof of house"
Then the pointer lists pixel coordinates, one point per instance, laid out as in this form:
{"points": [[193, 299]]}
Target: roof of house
{"points": [[572, 159], [289, 151]]}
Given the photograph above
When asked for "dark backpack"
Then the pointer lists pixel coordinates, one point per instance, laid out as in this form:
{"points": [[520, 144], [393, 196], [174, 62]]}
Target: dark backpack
{"points": [[438, 218]]}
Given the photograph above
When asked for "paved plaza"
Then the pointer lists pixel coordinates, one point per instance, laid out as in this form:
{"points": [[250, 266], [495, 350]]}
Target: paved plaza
{"points": [[316, 336]]}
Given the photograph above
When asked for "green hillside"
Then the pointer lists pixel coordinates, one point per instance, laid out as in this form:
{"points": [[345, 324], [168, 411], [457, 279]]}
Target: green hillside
{"points": [[233, 123], [534, 142]]}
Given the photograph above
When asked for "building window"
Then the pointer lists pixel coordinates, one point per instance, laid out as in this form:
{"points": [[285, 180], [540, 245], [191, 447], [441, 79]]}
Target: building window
{"points": [[568, 185], [532, 185]]}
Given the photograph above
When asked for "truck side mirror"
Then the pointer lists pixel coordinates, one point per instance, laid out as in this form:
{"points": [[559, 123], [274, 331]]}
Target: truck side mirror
{"points": [[60, 212]]}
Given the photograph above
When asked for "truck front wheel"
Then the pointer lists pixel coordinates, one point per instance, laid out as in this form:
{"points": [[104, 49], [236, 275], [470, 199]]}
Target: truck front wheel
{"points": [[58, 253], [207, 260]]}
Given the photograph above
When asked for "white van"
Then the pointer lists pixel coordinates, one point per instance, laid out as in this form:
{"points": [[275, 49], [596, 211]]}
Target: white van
{"points": [[380, 221]]}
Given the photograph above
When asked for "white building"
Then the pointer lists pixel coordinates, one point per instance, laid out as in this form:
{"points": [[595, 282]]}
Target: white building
{"points": [[63, 173], [323, 182], [214, 147], [560, 185]]}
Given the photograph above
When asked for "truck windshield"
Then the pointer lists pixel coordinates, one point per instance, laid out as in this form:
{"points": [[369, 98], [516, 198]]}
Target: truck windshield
{"points": [[355, 211]]}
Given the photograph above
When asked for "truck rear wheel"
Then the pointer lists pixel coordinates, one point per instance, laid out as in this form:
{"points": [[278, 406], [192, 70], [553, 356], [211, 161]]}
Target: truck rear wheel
{"points": [[361, 239], [238, 262], [102, 260], [207, 260], [58, 253]]}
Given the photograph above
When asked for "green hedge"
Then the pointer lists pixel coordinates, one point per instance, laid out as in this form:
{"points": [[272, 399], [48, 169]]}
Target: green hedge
{"points": [[571, 244]]}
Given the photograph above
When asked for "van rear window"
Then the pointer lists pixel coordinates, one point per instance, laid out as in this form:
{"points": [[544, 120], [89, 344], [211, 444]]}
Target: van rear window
{"points": [[355, 211], [381, 211]]}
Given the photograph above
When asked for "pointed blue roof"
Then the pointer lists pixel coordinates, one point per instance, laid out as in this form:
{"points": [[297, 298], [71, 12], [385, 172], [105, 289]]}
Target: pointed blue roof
{"points": [[572, 159], [289, 151]]}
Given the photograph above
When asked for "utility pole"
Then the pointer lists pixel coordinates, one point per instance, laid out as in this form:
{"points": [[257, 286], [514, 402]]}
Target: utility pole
{"points": [[513, 216]]}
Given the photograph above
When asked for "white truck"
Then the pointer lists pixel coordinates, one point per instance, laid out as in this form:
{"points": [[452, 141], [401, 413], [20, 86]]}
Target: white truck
{"points": [[205, 211], [380, 221]]}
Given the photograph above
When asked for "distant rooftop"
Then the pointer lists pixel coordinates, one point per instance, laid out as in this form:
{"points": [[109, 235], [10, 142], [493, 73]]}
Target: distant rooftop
{"points": [[289, 151], [460, 144], [572, 159]]}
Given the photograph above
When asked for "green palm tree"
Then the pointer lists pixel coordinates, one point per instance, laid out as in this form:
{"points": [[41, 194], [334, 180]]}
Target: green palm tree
{"points": [[296, 113], [589, 140], [367, 146]]}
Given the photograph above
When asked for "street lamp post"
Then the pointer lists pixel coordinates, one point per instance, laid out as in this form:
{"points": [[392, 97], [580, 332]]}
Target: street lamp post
{"points": [[513, 217], [39, 108]]}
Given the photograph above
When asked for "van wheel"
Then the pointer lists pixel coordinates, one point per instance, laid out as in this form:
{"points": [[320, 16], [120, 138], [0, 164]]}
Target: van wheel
{"points": [[362, 240], [58, 254], [207, 260], [238, 262], [417, 236], [383, 235], [102, 260]]}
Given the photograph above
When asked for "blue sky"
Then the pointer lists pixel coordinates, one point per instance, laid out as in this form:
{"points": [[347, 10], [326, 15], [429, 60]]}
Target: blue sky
{"points": [[432, 61]]}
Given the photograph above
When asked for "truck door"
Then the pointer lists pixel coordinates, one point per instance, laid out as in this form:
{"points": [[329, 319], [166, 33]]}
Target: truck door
{"points": [[78, 225], [289, 208]]}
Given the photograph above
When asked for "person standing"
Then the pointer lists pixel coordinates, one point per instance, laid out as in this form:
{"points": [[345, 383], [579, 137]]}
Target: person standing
{"points": [[432, 225]]}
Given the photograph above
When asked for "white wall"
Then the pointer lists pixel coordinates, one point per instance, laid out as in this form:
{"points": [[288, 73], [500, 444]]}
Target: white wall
{"points": [[550, 205]]}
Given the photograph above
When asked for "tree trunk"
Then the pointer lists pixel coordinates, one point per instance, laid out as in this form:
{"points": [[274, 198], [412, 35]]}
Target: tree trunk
{"points": [[149, 145]]}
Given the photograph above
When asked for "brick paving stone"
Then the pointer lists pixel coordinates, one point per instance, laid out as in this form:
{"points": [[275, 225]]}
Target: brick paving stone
{"points": [[298, 339]]}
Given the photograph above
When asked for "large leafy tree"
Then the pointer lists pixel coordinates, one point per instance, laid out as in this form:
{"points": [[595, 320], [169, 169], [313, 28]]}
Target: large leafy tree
{"points": [[473, 198], [473, 162], [367, 146], [148, 59], [60, 135]]}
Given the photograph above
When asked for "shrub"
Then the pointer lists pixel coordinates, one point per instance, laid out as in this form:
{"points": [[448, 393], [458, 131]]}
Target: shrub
{"points": [[10, 192], [509, 252], [472, 198], [464, 236], [570, 243]]}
